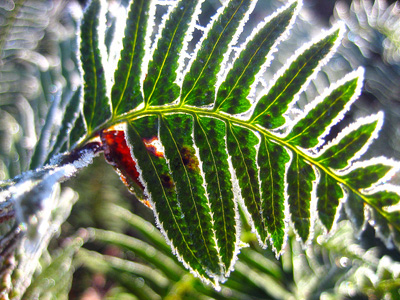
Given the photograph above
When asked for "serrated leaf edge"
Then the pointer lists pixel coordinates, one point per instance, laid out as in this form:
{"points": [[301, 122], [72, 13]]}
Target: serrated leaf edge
{"points": [[386, 187], [182, 69], [270, 57], [395, 167], [337, 27], [236, 251], [235, 182], [378, 117], [359, 74], [233, 41], [100, 31], [114, 56], [221, 75], [213, 280], [313, 203]]}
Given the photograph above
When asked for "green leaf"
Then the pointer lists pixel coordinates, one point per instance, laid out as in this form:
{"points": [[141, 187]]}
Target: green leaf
{"points": [[126, 92], [209, 134], [232, 93], [198, 87], [272, 160], [185, 169], [386, 197], [329, 194], [115, 265], [300, 179], [365, 174], [96, 106], [317, 120], [350, 143], [242, 149], [137, 223], [173, 211], [392, 221], [159, 86], [270, 108]]}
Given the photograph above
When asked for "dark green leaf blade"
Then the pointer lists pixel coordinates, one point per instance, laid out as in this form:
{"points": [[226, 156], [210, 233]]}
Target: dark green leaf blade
{"points": [[199, 83], [329, 194], [185, 168], [209, 134], [306, 132], [386, 196], [270, 108], [300, 179], [162, 191], [126, 93], [350, 143], [232, 93], [365, 174], [272, 160], [159, 86], [242, 148], [96, 106]]}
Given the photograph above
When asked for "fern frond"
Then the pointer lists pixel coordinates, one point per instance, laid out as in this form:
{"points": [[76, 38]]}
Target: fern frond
{"points": [[198, 143]]}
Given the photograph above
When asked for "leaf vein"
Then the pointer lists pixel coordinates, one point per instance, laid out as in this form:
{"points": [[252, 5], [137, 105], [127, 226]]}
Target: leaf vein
{"points": [[190, 188], [131, 58], [211, 53]]}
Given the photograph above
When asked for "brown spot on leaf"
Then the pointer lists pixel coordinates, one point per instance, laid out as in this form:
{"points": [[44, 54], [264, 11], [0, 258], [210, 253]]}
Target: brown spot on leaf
{"points": [[166, 181], [189, 158]]}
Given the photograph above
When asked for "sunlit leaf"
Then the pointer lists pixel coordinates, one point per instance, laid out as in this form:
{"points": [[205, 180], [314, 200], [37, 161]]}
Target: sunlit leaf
{"points": [[96, 107], [125, 94], [193, 141]]}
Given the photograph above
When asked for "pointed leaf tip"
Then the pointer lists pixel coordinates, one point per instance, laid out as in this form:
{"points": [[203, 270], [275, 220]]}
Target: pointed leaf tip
{"points": [[325, 111], [272, 160], [293, 78], [300, 178], [198, 88], [233, 92]]}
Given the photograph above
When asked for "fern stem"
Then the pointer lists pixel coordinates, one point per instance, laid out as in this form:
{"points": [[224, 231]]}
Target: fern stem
{"points": [[195, 111]]}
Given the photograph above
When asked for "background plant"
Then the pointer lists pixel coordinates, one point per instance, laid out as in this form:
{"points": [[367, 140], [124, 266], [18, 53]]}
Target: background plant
{"points": [[56, 142]]}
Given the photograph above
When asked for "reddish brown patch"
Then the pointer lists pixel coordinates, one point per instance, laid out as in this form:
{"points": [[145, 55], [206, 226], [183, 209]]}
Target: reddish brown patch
{"points": [[152, 148], [189, 158], [166, 181], [118, 154]]}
